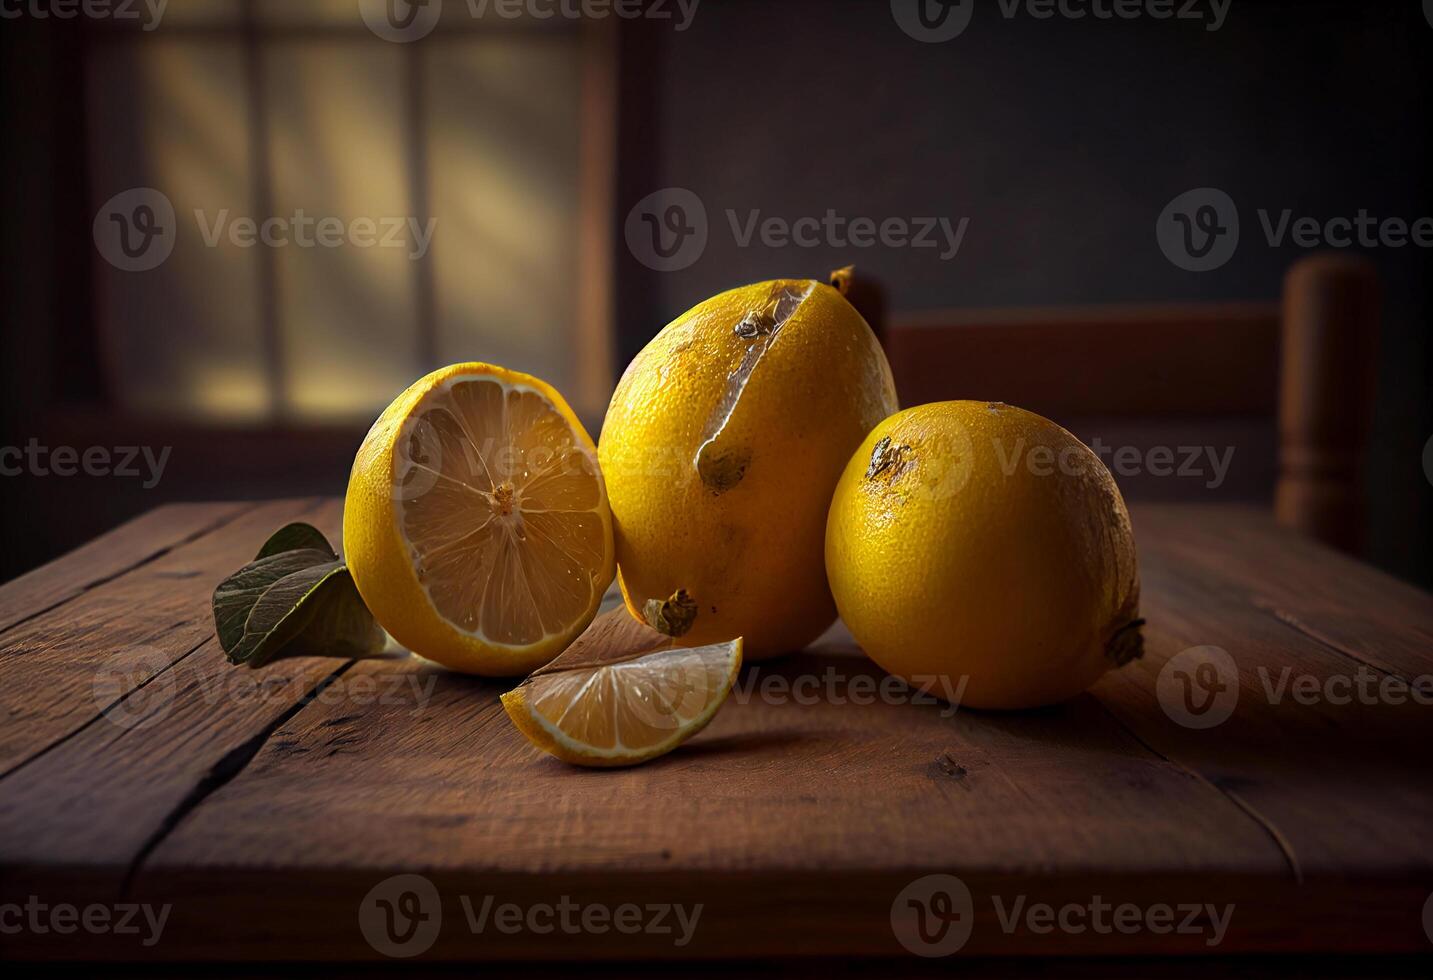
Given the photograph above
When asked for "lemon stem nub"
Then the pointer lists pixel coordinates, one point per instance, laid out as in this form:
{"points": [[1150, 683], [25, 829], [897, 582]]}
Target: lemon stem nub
{"points": [[841, 279], [1126, 644], [672, 616]]}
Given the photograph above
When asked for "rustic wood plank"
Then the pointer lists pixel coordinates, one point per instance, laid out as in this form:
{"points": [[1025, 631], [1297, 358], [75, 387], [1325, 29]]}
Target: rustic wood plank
{"points": [[795, 819], [60, 670], [189, 730], [158, 751], [141, 540], [1192, 359], [1331, 782], [1343, 604], [828, 806], [819, 764]]}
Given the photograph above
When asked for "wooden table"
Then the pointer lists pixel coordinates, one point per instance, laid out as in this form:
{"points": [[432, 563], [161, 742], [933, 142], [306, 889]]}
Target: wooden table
{"points": [[269, 810]]}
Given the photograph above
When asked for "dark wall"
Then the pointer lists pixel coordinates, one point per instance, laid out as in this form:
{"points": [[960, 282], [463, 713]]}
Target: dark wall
{"points": [[1062, 141]]}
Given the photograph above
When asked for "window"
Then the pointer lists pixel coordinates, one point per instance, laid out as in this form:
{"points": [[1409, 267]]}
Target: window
{"points": [[266, 116]]}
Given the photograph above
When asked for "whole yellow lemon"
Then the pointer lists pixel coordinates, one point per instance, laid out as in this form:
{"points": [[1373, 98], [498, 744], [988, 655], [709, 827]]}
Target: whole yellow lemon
{"points": [[721, 447], [985, 553]]}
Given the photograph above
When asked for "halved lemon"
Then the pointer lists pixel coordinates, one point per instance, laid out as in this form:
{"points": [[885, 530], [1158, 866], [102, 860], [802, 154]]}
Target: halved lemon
{"points": [[476, 524], [623, 694]]}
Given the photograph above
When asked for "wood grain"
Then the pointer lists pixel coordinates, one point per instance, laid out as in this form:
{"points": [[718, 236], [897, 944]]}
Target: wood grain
{"points": [[139, 541], [795, 819], [1192, 359], [61, 669]]}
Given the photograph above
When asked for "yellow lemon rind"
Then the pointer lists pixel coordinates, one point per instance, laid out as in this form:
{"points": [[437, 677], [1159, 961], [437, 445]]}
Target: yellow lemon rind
{"points": [[377, 551], [559, 744]]}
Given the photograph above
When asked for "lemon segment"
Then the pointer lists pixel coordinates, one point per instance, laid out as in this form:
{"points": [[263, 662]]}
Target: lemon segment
{"points": [[476, 524], [623, 713]]}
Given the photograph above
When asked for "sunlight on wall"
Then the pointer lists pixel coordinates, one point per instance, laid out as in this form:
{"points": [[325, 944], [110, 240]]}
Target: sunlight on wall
{"points": [[348, 312], [246, 332], [504, 181]]}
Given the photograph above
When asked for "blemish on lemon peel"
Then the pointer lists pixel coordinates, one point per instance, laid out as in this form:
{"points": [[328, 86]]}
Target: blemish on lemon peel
{"points": [[722, 466], [887, 457], [1127, 643], [672, 616]]}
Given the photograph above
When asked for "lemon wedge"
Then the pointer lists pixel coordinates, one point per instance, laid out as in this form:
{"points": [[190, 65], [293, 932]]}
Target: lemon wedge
{"points": [[623, 694]]}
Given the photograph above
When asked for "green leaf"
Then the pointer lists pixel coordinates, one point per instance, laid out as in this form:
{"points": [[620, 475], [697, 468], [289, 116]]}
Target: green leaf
{"points": [[297, 536], [297, 599]]}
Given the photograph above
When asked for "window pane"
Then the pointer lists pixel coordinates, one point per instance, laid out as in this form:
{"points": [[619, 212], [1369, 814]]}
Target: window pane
{"points": [[182, 337], [503, 157], [347, 314]]}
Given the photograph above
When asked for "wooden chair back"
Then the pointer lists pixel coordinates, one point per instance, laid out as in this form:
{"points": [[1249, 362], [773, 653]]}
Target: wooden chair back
{"points": [[1282, 390]]}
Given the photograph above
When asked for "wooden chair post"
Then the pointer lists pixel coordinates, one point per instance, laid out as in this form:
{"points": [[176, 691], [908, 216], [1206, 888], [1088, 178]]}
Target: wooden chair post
{"points": [[1327, 380]]}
